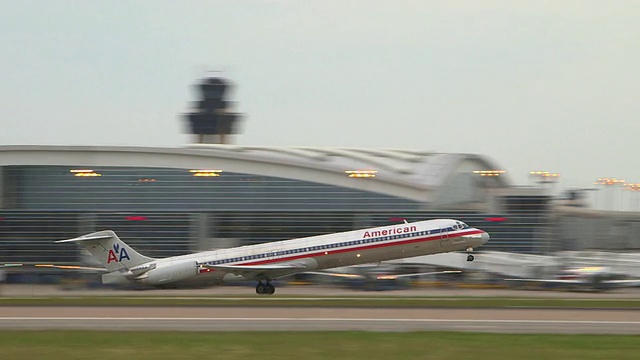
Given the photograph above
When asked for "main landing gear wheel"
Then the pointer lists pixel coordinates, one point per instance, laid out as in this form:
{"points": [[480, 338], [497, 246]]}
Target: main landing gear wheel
{"points": [[265, 289], [469, 256]]}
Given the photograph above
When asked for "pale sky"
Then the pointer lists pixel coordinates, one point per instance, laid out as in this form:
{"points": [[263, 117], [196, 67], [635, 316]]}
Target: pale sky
{"points": [[533, 85]]}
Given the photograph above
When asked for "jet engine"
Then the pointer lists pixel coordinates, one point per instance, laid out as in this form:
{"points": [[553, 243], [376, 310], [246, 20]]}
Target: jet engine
{"points": [[169, 273]]}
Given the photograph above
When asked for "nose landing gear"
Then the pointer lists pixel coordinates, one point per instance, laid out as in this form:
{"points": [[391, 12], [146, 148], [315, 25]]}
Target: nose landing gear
{"points": [[265, 288], [469, 256]]}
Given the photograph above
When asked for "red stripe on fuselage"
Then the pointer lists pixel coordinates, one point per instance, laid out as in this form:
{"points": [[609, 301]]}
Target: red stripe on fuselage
{"points": [[361, 248]]}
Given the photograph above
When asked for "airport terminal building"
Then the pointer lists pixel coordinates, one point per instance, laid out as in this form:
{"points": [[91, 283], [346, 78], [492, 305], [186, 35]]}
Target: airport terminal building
{"points": [[170, 201]]}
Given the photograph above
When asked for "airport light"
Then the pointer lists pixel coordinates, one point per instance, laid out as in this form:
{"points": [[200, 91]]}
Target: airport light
{"points": [[608, 181], [496, 219], [361, 173], [545, 176], [59, 266], [386, 277], [77, 171], [136, 218], [489, 173], [631, 186], [590, 269], [205, 172], [84, 173]]}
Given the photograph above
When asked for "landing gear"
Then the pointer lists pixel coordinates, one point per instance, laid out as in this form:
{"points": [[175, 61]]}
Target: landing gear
{"points": [[469, 256], [265, 288]]}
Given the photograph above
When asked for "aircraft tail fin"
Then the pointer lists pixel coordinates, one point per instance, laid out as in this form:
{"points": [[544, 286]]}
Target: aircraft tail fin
{"points": [[109, 250]]}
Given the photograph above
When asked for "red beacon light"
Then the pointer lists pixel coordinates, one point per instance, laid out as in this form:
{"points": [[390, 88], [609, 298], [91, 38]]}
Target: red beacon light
{"points": [[136, 218]]}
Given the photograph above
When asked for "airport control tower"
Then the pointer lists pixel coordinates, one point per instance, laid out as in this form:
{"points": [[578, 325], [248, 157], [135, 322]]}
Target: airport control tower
{"points": [[211, 120]]}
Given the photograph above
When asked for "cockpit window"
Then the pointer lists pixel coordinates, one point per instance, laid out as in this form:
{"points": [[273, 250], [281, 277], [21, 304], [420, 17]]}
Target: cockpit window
{"points": [[460, 225]]}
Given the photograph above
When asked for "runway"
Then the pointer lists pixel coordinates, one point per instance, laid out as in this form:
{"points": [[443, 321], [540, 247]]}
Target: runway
{"points": [[313, 290], [558, 321]]}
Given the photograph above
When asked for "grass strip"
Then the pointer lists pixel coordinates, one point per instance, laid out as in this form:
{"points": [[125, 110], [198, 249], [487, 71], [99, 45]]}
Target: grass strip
{"points": [[26, 345], [366, 302]]}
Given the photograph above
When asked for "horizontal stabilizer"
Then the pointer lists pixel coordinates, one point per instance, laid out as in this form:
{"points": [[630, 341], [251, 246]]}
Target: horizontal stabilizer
{"points": [[89, 237], [110, 252]]}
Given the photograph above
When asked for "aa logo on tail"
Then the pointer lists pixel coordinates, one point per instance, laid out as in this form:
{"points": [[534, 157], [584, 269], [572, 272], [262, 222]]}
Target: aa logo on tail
{"points": [[117, 254]]}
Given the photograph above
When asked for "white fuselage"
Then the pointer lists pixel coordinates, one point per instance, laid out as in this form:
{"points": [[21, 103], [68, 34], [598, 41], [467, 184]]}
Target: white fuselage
{"points": [[324, 251]]}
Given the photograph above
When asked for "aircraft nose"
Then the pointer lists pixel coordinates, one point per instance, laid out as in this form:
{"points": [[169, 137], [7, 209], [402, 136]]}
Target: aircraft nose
{"points": [[485, 237]]}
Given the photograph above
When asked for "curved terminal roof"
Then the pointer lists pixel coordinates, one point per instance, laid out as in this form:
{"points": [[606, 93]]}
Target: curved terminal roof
{"points": [[410, 174]]}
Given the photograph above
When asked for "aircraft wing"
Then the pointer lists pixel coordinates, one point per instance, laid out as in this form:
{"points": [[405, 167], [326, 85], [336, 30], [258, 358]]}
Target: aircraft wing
{"points": [[335, 274], [381, 276], [551, 281], [251, 271], [399, 276], [585, 282]]}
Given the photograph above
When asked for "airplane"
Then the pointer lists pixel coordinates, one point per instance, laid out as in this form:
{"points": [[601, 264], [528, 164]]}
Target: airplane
{"points": [[268, 261], [594, 278]]}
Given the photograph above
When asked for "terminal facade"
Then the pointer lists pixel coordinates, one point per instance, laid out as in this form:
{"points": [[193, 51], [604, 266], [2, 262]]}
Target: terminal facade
{"points": [[211, 194], [170, 201]]}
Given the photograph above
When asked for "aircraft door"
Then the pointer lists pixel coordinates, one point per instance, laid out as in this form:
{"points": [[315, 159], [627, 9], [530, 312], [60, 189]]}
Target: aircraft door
{"points": [[444, 238]]}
